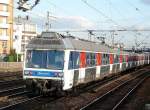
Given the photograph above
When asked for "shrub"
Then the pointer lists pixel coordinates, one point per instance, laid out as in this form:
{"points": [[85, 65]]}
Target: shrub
{"points": [[12, 58]]}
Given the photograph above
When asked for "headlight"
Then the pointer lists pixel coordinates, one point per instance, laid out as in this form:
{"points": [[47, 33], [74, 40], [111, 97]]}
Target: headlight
{"points": [[60, 74], [26, 73]]}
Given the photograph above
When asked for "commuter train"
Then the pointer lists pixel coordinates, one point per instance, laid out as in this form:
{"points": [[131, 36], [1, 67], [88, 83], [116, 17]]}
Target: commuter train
{"points": [[57, 62]]}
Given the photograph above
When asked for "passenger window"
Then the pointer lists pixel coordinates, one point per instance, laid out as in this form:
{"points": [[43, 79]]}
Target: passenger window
{"points": [[74, 60], [124, 58], [71, 60], [93, 59], [104, 59], [90, 59], [116, 58]]}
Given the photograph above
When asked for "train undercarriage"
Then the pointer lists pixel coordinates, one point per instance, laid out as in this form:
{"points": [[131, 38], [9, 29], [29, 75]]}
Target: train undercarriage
{"points": [[44, 87]]}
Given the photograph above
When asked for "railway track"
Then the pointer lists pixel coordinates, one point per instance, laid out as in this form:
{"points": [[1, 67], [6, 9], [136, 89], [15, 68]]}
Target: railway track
{"points": [[9, 74], [76, 102], [138, 99], [92, 88], [13, 86], [16, 100], [8, 77], [96, 84], [10, 81], [27, 103], [30, 101], [20, 104], [6, 85], [10, 91], [114, 98]]}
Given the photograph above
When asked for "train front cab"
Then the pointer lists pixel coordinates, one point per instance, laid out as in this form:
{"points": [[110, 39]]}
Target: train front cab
{"points": [[44, 68]]}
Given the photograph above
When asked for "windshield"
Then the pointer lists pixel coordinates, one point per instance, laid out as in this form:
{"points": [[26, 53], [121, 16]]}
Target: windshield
{"points": [[52, 59]]}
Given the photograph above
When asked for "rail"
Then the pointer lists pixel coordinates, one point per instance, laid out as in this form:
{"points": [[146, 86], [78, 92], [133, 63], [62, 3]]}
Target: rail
{"points": [[108, 94]]}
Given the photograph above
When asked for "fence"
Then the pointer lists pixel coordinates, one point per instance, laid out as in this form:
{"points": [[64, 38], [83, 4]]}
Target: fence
{"points": [[11, 66]]}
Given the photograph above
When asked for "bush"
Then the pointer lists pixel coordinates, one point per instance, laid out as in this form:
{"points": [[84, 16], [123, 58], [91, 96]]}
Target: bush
{"points": [[5, 59], [12, 58]]}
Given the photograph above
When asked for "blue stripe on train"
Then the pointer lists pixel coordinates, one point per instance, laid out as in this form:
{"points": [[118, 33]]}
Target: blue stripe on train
{"points": [[41, 73]]}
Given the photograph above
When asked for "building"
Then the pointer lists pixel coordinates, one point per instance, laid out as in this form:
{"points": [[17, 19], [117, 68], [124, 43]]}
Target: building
{"points": [[6, 26], [24, 31]]}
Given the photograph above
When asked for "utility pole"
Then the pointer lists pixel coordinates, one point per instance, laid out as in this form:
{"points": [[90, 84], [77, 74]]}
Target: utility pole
{"points": [[67, 32], [102, 39], [112, 37], [90, 33], [48, 25]]}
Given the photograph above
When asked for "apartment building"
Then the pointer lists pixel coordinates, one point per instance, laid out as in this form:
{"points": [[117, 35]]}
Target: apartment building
{"points": [[6, 26], [24, 31]]}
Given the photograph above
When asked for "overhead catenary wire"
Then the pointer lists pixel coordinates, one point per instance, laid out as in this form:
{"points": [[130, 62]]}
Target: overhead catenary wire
{"points": [[142, 15], [97, 10], [112, 35], [135, 7], [40, 15], [137, 10], [33, 13], [101, 13], [58, 7], [67, 12]]}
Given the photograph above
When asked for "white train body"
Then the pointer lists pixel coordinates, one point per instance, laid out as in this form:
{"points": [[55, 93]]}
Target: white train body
{"points": [[53, 60]]}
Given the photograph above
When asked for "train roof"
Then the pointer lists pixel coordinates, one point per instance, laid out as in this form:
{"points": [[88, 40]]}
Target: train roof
{"points": [[56, 41]]}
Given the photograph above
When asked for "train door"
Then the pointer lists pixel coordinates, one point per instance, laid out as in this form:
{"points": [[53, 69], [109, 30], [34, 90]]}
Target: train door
{"points": [[70, 69], [121, 56], [98, 63], [148, 59], [111, 58], [127, 59], [105, 67], [90, 71]]}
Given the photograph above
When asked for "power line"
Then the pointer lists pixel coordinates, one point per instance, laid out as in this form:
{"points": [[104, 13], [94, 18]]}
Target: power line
{"points": [[105, 30], [58, 7], [116, 9], [68, 13], [40, 15], [33, 13], [143, 15], [112, 36], [101, 13], [137, 10]]}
